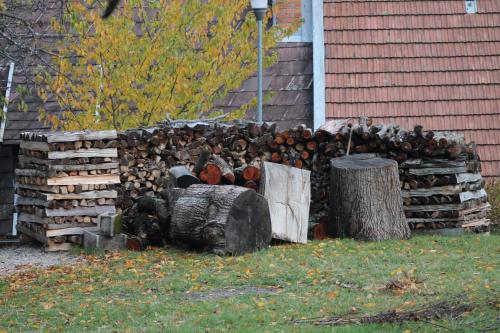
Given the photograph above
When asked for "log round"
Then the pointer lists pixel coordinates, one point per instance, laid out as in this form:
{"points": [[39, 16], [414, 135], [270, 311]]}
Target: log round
{"points": [[221, 219], [365, 199]]}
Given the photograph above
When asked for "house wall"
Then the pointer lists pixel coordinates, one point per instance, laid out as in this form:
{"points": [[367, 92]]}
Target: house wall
{"points": [[7, 164], [417, 62], [289, 11]]}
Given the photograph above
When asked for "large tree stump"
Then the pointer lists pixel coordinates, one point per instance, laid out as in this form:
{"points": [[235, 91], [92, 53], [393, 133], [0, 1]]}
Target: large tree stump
{"points": [[221, 219], [365, 199]]}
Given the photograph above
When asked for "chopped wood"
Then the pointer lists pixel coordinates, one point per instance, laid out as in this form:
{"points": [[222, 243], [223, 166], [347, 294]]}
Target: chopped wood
{"points": [[80, 180], [288, 194]]}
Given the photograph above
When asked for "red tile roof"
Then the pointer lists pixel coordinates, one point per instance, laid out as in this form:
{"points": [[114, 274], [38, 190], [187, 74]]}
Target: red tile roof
{"points": [[422, 62]]}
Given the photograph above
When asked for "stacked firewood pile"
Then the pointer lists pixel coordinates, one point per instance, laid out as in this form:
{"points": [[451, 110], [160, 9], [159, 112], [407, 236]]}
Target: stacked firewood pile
{"points": [[440, 174], [444, 193], [64, 181], [231, 153], [216, 153]]}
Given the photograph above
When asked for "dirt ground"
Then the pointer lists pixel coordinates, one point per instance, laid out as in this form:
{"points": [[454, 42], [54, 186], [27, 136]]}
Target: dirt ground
{"points": [[23, 257]]}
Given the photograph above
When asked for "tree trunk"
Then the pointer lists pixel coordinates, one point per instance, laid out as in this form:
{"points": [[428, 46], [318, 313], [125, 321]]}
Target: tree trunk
{"points": [[365, 199], [221, 219]]}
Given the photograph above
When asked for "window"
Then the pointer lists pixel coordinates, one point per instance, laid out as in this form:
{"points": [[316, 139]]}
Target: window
{"points": [[471, 6]]}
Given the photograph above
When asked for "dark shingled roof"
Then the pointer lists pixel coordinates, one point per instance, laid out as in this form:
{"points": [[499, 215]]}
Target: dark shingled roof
{"points": [[417, 62], [289, 81]]}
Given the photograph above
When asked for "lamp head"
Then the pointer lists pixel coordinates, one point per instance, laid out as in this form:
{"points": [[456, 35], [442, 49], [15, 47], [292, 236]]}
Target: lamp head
{"points": [[258, 4], [259, 8]]}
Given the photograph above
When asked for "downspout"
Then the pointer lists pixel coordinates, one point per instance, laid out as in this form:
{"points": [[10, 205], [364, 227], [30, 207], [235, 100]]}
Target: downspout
{"points": [[319, 115], [5, 104]]}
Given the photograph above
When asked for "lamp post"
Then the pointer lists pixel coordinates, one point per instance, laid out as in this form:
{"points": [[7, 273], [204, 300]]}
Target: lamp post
{"points": [[259, 8]]}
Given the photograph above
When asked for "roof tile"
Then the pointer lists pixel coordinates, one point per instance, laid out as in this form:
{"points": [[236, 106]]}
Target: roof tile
{"points": [[415, 62]]}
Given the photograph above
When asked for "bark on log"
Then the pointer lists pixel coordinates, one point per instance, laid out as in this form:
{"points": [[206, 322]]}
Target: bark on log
{"points": [[365, 199], [182, 177], [221, 219]]}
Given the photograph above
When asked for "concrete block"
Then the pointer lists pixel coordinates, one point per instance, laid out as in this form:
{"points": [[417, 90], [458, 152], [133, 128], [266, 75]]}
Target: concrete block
{"points": [[109, 224], [94, 240]]}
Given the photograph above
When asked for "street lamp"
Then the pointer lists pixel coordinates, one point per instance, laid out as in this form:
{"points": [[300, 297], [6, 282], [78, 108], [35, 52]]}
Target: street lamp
{"points": [[259, 9]]}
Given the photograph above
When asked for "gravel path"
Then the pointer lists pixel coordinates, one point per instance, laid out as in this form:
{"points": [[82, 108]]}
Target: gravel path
{"points": [[24, 257]]}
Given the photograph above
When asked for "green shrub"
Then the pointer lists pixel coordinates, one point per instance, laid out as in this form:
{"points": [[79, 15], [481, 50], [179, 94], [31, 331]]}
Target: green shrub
{"points": [[493, 190]]}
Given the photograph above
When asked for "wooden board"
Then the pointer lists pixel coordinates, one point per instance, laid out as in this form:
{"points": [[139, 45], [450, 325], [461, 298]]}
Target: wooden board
{"points": [[32, 145], [55, 247], [83, 195], [31, 218], [30, 173], [461, 207], [81, 211], [288, 193], [91, 152], [25, 201], [56, 226], [461, 219], [432, 208], [69, 231], [84, 180], [478, 223], [41, 188], [466, 196], [81, 136], [438, 171], [468, 177], [41, 238], [427, 192], [441, 232], [435, 163], [23, 159], [85, 167], [483, 207], [333, 126], [57, 165]]}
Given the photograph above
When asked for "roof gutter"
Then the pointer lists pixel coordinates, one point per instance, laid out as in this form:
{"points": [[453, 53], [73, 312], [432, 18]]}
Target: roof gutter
{"points": [[318, 31], [6, 103]]}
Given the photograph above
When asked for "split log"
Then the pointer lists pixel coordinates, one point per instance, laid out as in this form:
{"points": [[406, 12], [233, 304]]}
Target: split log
{"points": [[221, 219], [226, 170], [365, 199], [288, 193], [182, 177]]}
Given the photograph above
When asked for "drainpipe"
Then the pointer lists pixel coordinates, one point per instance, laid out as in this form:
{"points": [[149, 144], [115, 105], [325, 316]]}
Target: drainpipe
{"points": [[319, 115], [3, 120]]}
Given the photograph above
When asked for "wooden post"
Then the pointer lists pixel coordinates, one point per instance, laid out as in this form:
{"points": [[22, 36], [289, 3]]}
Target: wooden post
{"points": [[365, 199]]}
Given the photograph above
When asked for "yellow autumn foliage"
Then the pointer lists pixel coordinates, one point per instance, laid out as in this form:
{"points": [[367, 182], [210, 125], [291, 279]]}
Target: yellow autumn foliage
{"points": [[171, 57]]}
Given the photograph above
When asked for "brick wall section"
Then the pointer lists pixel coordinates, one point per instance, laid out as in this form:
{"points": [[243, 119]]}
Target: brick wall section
{"points": [[417, 62], [289, 12], [7, 158]]}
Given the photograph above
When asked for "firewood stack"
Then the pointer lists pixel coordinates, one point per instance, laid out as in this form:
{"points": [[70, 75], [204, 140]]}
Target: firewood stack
{"points": [[64, 181], [440, 175], [231, 153], [443, 193]]}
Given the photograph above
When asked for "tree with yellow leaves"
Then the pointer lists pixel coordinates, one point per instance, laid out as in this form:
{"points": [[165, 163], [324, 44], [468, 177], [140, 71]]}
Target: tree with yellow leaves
{"points": [[151, 59]]}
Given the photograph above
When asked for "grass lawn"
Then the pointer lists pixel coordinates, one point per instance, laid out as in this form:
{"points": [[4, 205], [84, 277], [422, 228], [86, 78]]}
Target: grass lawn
{"points": [[167, 290]]}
